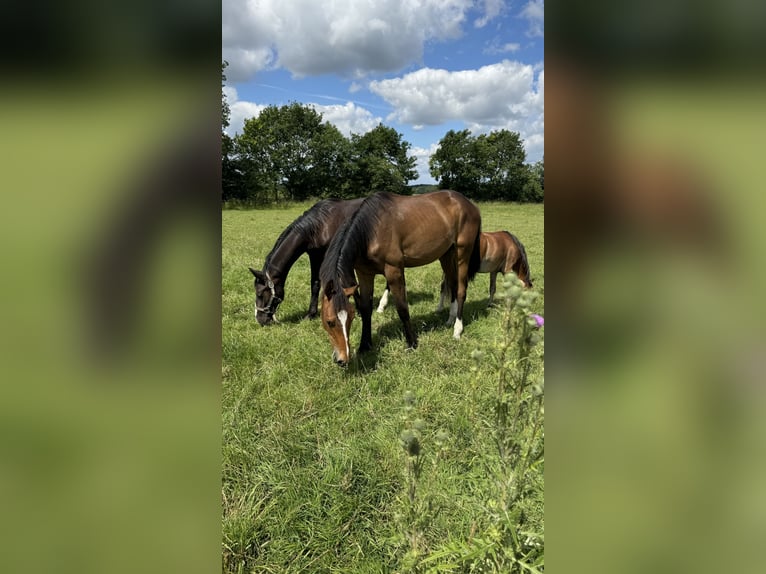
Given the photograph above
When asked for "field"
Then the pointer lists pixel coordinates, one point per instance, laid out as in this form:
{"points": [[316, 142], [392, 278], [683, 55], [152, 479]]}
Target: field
{"points": [[315, 478]]}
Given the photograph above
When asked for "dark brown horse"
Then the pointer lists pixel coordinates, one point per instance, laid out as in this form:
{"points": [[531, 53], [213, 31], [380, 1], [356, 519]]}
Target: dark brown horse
{"points": [[388, 233], [310, 233], [501, 252]]}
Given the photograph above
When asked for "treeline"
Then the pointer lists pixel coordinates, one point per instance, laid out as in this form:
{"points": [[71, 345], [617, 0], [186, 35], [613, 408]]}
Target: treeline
{"points": [[488, 166], [289, 153]]}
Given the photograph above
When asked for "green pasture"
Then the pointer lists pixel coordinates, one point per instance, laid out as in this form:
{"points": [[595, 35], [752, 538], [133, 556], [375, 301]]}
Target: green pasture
{"points": [[314, 475]]}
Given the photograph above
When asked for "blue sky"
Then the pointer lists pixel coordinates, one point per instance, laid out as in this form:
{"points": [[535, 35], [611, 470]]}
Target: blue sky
{"points": [[422, 67]]}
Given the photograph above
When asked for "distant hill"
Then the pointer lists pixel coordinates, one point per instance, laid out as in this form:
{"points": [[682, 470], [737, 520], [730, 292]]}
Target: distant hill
{"points": [[423, 188]]}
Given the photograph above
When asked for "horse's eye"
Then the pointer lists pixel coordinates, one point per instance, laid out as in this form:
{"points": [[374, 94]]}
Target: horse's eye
{"points": [[331, 324]]}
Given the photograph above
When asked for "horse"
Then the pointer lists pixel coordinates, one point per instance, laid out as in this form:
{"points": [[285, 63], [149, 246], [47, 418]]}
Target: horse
{"points": [[310, 233], [386, 235], [501, 252]]}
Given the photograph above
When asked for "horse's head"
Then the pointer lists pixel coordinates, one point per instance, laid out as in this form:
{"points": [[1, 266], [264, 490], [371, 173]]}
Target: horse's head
{"points": [[527, 280], [337, 316], [268, 296]]}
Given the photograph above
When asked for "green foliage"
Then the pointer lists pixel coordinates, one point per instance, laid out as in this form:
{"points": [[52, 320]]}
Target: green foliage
{"points": [[485, 167], [315, 475], [532, 187], [453, 164], [380, 162], [225, 111], [288, 152]]}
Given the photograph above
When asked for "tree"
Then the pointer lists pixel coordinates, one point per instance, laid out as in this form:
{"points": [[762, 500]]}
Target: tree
{"points": [[288, 151], [490, 166], [503, 165], [225, 111], [534, 187], [380, 162], [453, 163]]}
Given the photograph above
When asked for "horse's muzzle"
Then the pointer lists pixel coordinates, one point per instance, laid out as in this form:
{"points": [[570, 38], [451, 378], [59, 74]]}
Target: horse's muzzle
{"points": [[339, 362], [264, 319]]}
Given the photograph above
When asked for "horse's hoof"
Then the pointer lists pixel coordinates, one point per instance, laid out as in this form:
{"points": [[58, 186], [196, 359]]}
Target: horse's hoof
{"points": [[310, 316]]}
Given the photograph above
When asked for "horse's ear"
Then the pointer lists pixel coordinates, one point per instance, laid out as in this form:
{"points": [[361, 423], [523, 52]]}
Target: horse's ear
{"points": [[329, 290], [258, 274], [348, 291]]}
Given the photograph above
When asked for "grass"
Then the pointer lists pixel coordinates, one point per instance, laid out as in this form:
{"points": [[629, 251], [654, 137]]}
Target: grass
{"points": [[314, 475]]}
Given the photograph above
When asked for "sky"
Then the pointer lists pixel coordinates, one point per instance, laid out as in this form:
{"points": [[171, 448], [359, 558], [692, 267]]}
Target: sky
{"points": [[422, 67]]}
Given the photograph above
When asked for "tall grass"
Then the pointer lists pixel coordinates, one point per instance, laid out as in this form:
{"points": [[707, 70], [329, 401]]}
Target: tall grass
{"points": [[315, 476]]}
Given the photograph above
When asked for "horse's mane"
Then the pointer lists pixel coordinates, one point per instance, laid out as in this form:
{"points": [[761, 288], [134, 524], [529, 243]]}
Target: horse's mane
{"points": [[524, 261], [350, 242], [307, 226]]}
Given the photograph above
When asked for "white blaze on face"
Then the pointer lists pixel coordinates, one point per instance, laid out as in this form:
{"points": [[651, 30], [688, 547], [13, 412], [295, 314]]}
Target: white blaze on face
{"points": [[458, 329], [342, 317]]}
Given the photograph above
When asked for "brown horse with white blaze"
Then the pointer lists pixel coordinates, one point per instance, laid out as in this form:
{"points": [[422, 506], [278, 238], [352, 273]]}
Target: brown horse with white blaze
{"points": [[387, 234]]}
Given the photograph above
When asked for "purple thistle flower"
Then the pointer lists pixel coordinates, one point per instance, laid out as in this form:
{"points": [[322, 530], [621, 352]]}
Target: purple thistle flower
{"points": [[539, 321]]}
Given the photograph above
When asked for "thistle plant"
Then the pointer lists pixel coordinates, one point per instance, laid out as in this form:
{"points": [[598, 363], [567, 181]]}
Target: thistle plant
{"points": [[512, 539], [418, 508], [518, 432]]}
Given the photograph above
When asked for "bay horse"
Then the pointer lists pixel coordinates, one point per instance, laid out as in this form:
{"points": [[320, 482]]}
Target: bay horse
{"points": [[310, 233], [501, 252], [387, 234]]}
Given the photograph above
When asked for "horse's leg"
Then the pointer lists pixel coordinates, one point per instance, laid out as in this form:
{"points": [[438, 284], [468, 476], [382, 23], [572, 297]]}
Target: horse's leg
{"points": [[464, 255], [396, 283], [443, 292], [316, 262], [449, 268], [364, 308], [383, 300], [492, 286]]}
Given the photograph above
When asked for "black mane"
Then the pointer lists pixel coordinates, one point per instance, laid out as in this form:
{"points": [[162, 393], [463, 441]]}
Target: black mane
{"points": [[524, 261], [308, 226], [349, 243]]}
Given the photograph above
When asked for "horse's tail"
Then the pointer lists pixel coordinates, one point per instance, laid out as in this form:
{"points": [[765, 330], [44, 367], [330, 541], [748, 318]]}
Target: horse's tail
{"points": [[524, 261], [475, 262]]}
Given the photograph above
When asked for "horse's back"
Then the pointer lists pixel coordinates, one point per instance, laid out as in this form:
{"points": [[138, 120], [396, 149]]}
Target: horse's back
{"points": [[450, 207], [419, 229]]}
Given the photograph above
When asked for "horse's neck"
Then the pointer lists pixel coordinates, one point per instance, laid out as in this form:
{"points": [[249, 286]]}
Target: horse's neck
{"points": [[286, 254]]}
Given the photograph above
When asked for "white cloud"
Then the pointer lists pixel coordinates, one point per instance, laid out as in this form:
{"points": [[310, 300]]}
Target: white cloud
{"points": [[423, 155], [500, 96], [495, 48], [534, 13], [239, 111], [492, 8], [348, 118], [347, 37], [430, 96]]}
